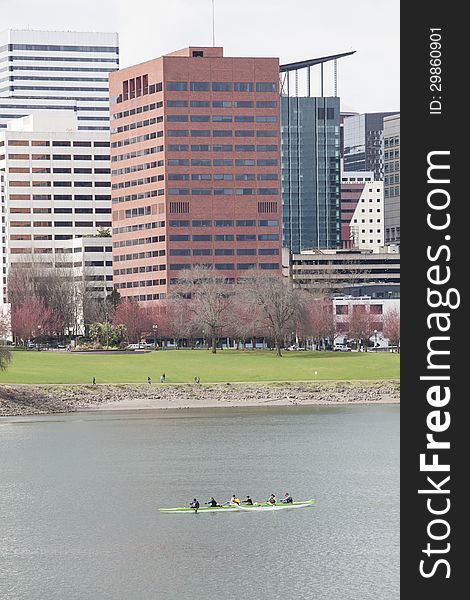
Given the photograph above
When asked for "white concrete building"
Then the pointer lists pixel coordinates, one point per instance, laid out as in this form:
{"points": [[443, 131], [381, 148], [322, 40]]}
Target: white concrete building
{"points": [[362, 203], [377, 308], [57, 70], [56, 188]]}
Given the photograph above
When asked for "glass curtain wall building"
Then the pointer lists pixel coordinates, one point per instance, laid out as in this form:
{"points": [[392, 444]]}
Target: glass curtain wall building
{"points": [[310, 164]]}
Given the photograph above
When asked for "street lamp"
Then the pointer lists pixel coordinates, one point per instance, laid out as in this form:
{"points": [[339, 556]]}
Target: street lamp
{"points": [[203, 338], [375, 336], [154, 327]]}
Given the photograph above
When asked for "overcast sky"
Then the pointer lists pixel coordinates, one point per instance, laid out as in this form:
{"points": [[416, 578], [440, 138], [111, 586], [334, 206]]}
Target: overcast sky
{"points": [[289, 29]]}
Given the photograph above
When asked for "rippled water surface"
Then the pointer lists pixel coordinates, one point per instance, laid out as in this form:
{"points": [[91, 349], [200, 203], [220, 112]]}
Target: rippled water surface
{"points": [[79, 496]]}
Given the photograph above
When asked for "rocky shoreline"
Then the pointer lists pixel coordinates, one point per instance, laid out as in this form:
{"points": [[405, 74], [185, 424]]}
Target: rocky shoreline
{"points": [[20, 400]]}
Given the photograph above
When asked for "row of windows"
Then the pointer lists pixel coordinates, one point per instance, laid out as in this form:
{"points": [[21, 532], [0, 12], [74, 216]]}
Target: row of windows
{"points": [[53, 88], [60, 170], [222, 148], [49, 68], [137, 124], [58, 156], [138, 256], [140, 196], [223, 162], [139, 241], [48, 237], [48, 210], [61, 183], [59, 197], [390, 179], [221, 104], [54, 106], [220, 86], [140, 138], [221, 119], [219, 133], [136, 168], [392, 141], [82, 59], [224, 252], [75, 144], [135, 182], [227, 266], [60, 48], [146, 297], [40, 78], [136, 153], [142, 269], [142, 283], [223, 191], [139, 227], [222, 176], [59, 224], [137, 110], [218, 223]]}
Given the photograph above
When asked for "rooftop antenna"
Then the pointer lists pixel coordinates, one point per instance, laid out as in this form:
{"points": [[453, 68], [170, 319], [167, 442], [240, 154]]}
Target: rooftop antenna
{"points": [[213, 24]]}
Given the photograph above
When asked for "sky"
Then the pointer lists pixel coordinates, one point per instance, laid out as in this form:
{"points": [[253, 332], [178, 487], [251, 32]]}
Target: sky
{"points": [[292, 30]]}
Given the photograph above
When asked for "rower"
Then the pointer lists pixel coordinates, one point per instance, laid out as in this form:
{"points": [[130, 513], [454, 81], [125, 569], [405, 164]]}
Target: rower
{"points": [[235, 499], [248, 500], [194, 504], [272, 499], [287, 499], [211, 502]]}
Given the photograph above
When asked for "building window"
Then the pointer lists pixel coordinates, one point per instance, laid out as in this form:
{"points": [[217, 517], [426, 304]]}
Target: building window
{"points": [[177, 86], [266, 87], [243, 87], [199, 86], [221, 86]]}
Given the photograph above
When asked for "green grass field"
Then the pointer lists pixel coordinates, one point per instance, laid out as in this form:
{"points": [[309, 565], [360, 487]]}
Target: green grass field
{"points": [[183, 365]]}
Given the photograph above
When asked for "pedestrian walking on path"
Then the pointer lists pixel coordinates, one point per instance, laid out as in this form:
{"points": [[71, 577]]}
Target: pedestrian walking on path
{"points": [[149, 381]]}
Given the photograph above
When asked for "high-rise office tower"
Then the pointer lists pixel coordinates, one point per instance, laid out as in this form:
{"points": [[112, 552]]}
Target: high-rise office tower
{"points": [[310, 156], [195, 169], [55, 188], [392, 179], [363, 141], [57, 70]]}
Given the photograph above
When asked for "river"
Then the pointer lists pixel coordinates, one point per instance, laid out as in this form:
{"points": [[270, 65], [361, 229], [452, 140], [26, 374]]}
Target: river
{"points": [[79, 495]]}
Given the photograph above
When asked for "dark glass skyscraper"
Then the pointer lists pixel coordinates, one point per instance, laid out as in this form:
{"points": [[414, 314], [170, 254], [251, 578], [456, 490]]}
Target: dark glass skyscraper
{"points": [[363, 142], [310, 164]]}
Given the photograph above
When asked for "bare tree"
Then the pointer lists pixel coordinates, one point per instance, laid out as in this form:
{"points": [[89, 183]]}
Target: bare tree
{"points": [[210, 300], [182, 322], [280, 305], [244, 319], [391, 327], [318, 322], [360, 324], [5, 354]]}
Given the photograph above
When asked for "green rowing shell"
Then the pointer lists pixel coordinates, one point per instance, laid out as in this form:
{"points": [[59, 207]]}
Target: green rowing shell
{"points": [[256, 507]]}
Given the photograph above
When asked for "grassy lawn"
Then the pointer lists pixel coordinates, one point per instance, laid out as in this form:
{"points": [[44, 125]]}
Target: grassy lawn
{"points": [[183, 365]]}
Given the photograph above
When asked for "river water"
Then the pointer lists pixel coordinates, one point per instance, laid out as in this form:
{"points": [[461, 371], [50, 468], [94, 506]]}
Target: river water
{"points": [[79, 495]]}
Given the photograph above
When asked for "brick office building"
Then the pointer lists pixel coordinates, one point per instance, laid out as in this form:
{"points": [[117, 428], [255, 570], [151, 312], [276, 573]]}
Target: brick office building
{"points": [[195, 169]]}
